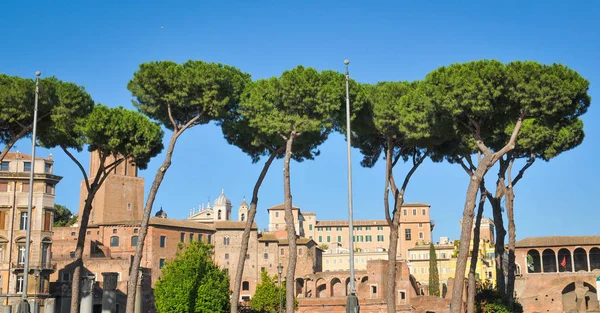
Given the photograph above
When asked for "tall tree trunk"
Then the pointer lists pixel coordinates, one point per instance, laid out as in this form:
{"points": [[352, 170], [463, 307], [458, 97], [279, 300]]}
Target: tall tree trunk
{"points": [[12, 142], [512, 239], [78, 263], [291, 230], [475, 255], [235, 297], [137, 259], [496, 202]]}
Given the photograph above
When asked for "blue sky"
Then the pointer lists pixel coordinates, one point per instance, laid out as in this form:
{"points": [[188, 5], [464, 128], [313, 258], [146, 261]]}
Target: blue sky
{"points": [[99, 44]]}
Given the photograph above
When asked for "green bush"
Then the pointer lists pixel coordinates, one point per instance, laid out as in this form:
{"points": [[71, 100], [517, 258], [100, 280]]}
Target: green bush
{"points": [[488, 300]]}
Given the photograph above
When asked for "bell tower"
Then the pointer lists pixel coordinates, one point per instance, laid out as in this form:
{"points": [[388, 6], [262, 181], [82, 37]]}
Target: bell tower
{"points": [[120, 198], [243, 211]]}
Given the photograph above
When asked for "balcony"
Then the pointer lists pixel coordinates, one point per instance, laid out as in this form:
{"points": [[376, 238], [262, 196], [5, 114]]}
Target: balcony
{"points": [[18, 266]]}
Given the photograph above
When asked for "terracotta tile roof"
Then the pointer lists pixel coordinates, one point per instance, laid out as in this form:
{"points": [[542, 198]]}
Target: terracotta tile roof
{"points": [[19, 155], [299, 241], [308, 213], [233, 225], [281, 207], [267, 237], [558, 241], [415, 204], [356, 223], [169, 222]]}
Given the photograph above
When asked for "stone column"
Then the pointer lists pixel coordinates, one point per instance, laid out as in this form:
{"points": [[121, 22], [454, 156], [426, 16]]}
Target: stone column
{"points": [[573, 261], [87, 295], [65, 299], [49, 305], [138, 294], [109, 293], [541, 262]]}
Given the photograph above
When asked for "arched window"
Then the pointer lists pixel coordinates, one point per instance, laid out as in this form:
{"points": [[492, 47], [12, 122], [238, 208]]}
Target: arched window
{"points": [[549, 261], [282, 251], [564, 260], [533, 262], [219, 215], [245, 286], [114, 241], [581, 260], [594, 259], [226, 240], [266, 256], [134, 240], [243, 217]]}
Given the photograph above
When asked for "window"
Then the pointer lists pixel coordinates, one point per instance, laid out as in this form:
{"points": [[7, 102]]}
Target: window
{"points": [[134, 240], [21, 254], [300, 251], [26, 166], [266, 244], [245, 286], [443, 255], [266, 256], [72, 254], [3, 186], [420, 225], [114, 230], [182, 237], [47, 168], [50, 189], [414, 211], [47, 221], [23, 221], [247, 256], [243, 218], [309, 226], [72, 233], [226, 240], [368, 228], [379, 227], [209, 239], [339, 238], [338, 228], [424, 211], [282, 251], [3, 219], [163, 241], [65, 276], [88, 233], [2, 248], [4, 167], [161, 263], [226, 256], [19, 286], [276, 214], [421, 235], [358, 228], [407, 234], [320, 238], [114, 241], [373, 289], [402, 296], [135, 230], [191, 237], [327, 228], [45, 253], [219, 215], [25, 187], [200, 237], [369, 238], [405, 212], [328, 239]]}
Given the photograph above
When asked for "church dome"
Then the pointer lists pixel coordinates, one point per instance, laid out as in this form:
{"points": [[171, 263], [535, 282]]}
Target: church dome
{"points": [[161, 213], [222, 199]]}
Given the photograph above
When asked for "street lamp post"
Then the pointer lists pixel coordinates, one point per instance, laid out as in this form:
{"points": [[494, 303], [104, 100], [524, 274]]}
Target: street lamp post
{"points": [[279, 271], [24, 305], [352, 301]]}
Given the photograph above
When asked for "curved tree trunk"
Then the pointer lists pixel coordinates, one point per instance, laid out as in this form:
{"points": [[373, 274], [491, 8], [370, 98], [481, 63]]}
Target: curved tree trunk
{"points": [[475, 255], [78, 263], [12, 142], [137, 259], [291, 230], [235, 297]]}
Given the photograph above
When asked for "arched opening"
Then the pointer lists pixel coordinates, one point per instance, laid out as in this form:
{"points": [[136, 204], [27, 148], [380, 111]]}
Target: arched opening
{"points": [[337, 290], [226, 240], [114, 241], [219, 215], [299, 287], [321, 288], [564, 261], [579, 297], [590, 298], [594, 259], [347, 286], [243, 218], [308, 288], [549, 261], [533, 262], [518, 270], [580, 259], [364, 280], [3, 247]]}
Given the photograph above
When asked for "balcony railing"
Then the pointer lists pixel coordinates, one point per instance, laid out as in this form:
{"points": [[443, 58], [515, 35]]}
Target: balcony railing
{"points": [[42, 266]]}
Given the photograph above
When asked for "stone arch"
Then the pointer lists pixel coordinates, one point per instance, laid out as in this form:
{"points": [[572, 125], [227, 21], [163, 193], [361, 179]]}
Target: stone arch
{"points": [[308, 288], [534, 264], [337, 289], [591, 298], [564, 260], [580, 259], [594, 259], [364, 280], [321, 288], [579, 297], [518, 269], [549, 261], [300, 287], [347, 284]]}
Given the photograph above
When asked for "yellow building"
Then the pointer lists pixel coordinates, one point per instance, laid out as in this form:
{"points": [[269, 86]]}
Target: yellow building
{"points": [[14, 199], [337, 258]]}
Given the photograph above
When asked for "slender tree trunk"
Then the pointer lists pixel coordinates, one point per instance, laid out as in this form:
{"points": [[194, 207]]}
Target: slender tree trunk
{"points": [[465, 235], [392, 253], [78, 263], [12, 142], [496, 202], [475, 256], [291, 230], [137, 259], [235, 297], [512, 239]]}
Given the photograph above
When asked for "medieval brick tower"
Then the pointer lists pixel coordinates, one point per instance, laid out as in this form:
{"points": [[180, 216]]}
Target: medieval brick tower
{"points": [[121, 197]]}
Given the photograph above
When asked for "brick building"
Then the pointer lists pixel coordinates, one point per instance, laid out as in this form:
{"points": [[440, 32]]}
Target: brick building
{"points": [[14, 198]]}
